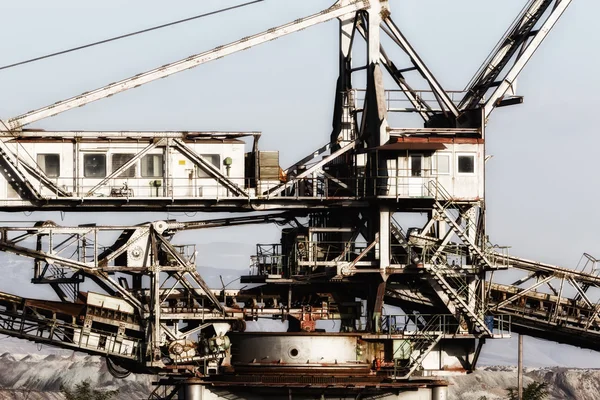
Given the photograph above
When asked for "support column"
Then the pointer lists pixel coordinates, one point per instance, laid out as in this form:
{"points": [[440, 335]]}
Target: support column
{"points": [[520, 369], [384, 240], [374, 122], [373, 58], [192, 391], [435, 393], [440, 393], [342, 118], [472, 280], [442, 228]]}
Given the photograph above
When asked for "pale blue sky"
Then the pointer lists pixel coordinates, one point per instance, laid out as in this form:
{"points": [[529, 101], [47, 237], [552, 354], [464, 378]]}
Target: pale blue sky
{"points": [[541, 183]]}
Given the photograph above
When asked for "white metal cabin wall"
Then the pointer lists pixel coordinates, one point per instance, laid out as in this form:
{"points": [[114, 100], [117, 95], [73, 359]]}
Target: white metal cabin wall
{"points": [[69, 178], [138, 184], [467, 186], [28, 152], [208, 187], [460, 185]]}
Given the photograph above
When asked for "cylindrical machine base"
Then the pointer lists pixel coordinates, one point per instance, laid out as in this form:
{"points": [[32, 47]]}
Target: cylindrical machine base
{"points": [[191, 391], [298, 353], [440, 393]]}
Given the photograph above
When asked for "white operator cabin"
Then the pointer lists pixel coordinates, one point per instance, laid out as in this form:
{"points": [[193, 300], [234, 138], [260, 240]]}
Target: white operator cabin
{"points": [[79, 167], [422, 167], [417, 167]]}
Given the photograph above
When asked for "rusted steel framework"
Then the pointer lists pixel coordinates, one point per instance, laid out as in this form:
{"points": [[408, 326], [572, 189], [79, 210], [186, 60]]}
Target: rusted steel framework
{"points": [[346, 251]]}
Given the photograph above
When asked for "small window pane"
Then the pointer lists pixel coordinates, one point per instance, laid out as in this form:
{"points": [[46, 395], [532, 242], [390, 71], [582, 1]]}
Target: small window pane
{"points": [[50, 164], [416, 166], [152, 166], [94, 165], [118, 160], [443, 164], [466, 164], [214, 159]]}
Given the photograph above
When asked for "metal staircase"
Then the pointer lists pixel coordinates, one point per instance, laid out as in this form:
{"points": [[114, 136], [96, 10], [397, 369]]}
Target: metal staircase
{"points": [[442, 209], [451, 285], [400, 236], [456, 299], [15, 177], [67, 287], [409, 356]]}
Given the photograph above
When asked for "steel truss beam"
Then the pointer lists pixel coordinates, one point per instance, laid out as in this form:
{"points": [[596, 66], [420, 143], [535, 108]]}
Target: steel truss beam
{"points": [[339, 9], [208, 168], [559, 314], [25, 177], [441, 95], [519, 43]]}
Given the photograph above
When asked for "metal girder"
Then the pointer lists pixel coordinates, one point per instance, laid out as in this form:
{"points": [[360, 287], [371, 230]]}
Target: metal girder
{"points": [[15, 176], [277, 218], [522, 34], [344, 117], [556, 271], [443, 98], [523, 292], [335, 180], [402, 132], [192, 271], [311, 156], [278, 189], [524, 57], [460, 233], [116, 135], [418, 103], [335, 11], [453, 301], [199, 328], [43, 178], [137, 234], [559, 295], [525, 279], [86, 268], [581, 292], [365, 251]]}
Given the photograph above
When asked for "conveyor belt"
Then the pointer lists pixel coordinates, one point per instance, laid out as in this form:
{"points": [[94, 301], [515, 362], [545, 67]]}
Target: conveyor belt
{"points": [[63, 325], [554, 314]]}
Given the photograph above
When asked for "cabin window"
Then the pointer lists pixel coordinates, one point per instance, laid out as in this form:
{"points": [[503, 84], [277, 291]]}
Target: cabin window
{"points": [[416, 165], [443, 164], [466, 164], [152, 166], [214, 159], [50, 164], [118, 160], [94, 165]]}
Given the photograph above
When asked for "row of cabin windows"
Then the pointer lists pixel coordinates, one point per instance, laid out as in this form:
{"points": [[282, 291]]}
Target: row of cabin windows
{"points": [[94, 165], [465, 164]]}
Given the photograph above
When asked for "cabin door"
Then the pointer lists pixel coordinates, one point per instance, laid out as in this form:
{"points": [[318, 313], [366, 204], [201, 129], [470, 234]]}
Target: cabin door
{"points": [[183, 177], [415, 175]]}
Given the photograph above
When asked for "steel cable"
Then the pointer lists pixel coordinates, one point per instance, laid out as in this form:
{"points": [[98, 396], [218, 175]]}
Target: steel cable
{"points": [[128, 35]]}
